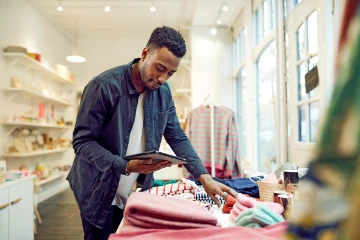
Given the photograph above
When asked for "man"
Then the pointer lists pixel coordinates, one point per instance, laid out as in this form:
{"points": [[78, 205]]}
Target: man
{"points": [[123, 111]]}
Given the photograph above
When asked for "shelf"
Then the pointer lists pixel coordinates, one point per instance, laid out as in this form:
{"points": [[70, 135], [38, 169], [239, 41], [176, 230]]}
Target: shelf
{"points": [[25, 124], [51, 178], [35, 153], [31, 63], [32, 93]]}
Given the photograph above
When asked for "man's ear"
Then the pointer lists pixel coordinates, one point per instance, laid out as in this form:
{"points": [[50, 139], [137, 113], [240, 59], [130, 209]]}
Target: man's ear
{"points": [[145, 53]]}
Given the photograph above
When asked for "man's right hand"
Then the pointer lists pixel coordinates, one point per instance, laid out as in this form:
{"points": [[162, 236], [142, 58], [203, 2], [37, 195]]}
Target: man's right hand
{"points": [[146, 166]]}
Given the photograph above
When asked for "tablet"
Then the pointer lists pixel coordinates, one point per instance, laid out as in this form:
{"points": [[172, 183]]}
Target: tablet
{"points": [[156, 157]]}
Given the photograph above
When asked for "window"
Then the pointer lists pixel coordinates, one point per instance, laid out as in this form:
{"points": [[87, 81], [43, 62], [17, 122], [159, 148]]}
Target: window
{"points": [[307, 103], [242, 100], [266, 101]]}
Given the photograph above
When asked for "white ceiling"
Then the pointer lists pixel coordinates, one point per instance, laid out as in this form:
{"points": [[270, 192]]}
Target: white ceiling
{"points": [[128, 16]]}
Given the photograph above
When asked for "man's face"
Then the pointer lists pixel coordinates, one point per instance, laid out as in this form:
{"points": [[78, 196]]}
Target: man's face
{"points": [[158, 66]]}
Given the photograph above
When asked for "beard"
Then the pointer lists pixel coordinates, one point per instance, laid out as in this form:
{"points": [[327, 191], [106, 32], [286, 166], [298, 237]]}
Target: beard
{"points": [[149, 83]]}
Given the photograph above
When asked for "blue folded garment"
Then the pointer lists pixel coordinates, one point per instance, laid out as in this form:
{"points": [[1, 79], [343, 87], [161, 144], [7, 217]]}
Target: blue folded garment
{"points": [[261, 215]]}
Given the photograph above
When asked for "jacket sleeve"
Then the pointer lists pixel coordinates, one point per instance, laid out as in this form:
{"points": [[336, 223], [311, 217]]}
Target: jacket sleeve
{"points": [[232, 149], [181, 145], [89, 124]]}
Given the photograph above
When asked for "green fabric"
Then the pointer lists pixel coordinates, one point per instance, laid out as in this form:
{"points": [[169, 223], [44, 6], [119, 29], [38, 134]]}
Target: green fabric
{"points": [[260, 215], [158, 183]]}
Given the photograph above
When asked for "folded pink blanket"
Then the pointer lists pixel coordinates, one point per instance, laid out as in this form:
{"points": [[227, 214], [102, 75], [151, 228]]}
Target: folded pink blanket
{"points": [[144, 210], [273, 232]]}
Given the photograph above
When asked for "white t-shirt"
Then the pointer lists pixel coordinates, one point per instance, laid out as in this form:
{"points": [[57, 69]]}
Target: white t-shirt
{"points": [[136, 145]]}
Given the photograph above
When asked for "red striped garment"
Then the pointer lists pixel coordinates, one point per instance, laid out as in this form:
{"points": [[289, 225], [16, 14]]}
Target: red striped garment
{"points": [[227, 154]]}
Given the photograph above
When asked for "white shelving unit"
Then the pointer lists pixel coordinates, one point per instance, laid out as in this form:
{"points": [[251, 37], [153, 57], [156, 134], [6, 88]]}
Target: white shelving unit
{"points": [[34, 153], [51, 178], [31, 63], [25, 124], [36, 94]]}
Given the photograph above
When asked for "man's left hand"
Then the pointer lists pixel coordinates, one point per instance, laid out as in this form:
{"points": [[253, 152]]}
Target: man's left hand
{"points": [[213, 188]]}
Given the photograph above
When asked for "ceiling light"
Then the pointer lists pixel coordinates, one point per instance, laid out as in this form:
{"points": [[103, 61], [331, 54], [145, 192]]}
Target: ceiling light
{"points": [[218, 21], [75, 58], [213, 31], [107, 9], [225, 8], [59, 8], [153, 9]]}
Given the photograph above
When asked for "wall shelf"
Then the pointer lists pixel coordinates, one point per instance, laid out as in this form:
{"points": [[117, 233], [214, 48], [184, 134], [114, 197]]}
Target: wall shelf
{"points": [[25, 124], [51, 178], [32, 93], [31, 63], [34, 153]]}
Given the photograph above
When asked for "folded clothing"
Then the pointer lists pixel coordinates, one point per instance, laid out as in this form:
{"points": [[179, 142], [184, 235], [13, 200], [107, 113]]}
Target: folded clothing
{"points": [[240, 185], [144, 210], [183, 186], [202, 196], [158, 183], [230, 201], [243, 203], [260, 215], [273, 232]]}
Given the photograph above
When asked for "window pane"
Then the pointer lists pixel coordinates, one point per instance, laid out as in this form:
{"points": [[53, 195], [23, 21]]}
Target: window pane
{"points": [[234, 53], [301, 82], [266, 18], [242, 103], [312, 63], [302, 123], [266, 92], [238, 48], [300, 42], [257, 28], [273, 9], [312, 33], [314, 120]]}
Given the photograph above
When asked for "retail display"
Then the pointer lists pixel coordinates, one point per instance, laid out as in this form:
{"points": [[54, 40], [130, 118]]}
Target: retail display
{"points": [[227, 158], [182, 186], [142, 211]]}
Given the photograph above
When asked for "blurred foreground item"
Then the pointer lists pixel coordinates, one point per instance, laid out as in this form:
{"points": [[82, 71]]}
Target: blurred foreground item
{"points": [[329, 200]]}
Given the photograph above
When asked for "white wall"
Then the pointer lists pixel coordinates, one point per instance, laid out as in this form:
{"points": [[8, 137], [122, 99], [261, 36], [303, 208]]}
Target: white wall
{"points": [[106, 51], [211, 66]]}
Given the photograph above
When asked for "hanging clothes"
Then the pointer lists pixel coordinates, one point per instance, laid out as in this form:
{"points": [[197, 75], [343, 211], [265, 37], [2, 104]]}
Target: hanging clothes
{"points": [[226, 140]]}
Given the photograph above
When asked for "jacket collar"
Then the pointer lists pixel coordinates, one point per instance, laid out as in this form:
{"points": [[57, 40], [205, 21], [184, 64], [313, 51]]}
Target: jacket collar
{"points": [[130, 85]]}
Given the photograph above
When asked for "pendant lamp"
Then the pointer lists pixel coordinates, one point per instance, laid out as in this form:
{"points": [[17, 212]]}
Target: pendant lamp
{"points": [[76, 58]]}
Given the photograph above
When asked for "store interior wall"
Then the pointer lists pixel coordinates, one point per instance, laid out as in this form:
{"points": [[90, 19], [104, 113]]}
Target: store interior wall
{"points": [[21, 24]]}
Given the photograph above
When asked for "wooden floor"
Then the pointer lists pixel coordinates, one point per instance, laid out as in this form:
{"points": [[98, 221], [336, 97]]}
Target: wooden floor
{"points": [[61, 218]]}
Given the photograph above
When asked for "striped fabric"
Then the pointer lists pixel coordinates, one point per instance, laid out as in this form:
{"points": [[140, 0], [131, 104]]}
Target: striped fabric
{"points": [[183, 186], [227, 155], [202, 196]]}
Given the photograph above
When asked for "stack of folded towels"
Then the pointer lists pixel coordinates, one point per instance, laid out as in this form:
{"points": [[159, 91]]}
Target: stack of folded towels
{"points": [[244, 203], [144, 210]]}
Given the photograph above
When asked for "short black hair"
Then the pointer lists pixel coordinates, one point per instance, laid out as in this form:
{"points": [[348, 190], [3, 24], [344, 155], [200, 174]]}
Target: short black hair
{"points": [[169, 38]]}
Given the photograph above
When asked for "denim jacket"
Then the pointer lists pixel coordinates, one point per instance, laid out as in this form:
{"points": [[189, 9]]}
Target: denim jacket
{"points": [[101, 137]]}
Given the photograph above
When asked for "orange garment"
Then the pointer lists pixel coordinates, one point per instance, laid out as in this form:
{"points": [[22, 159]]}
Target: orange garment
{"points": [[230, 201]]}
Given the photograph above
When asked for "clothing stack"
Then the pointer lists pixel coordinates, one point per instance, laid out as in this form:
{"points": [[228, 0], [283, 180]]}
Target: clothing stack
{"points": [[258, 217], [183, 186], [243, 203], [230, 201], [144, 210]]}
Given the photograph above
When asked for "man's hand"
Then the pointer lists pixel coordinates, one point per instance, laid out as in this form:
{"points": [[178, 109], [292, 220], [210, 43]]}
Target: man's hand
{"points": [[145, 166], [213, 188]]}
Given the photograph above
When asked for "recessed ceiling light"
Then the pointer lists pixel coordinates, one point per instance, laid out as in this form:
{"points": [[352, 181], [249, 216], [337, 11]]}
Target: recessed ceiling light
{"points": [[218, 21], [59, 8], [225, 8], [75, 59], [153, 9], [213, 31], [107, 9]]}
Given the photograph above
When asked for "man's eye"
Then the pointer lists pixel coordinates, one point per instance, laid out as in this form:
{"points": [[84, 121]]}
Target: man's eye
{"points": [[161, 70]]}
